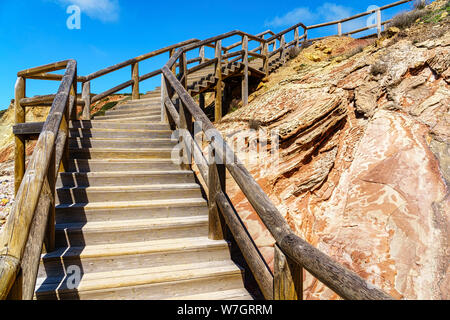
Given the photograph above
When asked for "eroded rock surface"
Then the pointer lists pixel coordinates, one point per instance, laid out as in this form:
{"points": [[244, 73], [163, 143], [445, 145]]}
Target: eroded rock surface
{"points": [[364, 168]]}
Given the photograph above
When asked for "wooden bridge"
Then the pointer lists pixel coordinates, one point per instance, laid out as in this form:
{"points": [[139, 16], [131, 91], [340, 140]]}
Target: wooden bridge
{"points": [[118, 219]]}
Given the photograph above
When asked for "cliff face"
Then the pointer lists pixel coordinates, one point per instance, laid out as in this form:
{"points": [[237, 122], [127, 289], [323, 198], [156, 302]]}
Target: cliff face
{"points": [[364, 169]]}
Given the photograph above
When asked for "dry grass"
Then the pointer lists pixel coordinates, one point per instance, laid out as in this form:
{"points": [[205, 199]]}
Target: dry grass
{"points": [[407, 19], [293, 52]]}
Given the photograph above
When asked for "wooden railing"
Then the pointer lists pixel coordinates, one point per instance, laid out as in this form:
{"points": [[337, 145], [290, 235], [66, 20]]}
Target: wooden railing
{"points": [[292, 253], [32, 219], [379, 22]]}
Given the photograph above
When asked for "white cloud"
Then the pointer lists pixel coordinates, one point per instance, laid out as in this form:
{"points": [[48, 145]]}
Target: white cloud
{"points": [[295, 16], [326, 12], [103, 10]]}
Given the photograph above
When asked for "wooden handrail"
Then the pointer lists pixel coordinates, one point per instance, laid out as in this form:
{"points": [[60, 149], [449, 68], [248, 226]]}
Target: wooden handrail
{"points": [[137, 59], [33, 210], [359, 15], [345, 283]]}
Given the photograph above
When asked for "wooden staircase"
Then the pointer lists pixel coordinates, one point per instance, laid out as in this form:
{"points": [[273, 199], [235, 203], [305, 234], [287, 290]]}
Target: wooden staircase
{"points": [[133, 222], [128, 222], [205, 79]]}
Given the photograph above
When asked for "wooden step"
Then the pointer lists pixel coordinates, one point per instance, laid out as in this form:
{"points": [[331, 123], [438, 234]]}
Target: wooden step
{"points": [[136, 110], [103, 143], [119, 133], [128, 210], [148, 283], [131, 117], [96, 124], [124, 178], [108, 165], [233, 294], [122, 153], [124, 193], [150, 107], [127, 231], [135, 255]]}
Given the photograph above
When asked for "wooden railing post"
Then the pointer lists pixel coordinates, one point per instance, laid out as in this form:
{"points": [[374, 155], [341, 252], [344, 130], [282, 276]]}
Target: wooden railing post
{"points": [[283, 49], [379, 22], [245, 75], [340, 29], [183, 70], [216, 184], [219, 85], [135, 78], [73, 95], [287, 278], [163, 98], [305, 38], [224, 53], [296, 37], [265, 52], [201, 100], [187, 127], [19, 150], [49, 241], [86, 97], [174, 67], [202, 54]]}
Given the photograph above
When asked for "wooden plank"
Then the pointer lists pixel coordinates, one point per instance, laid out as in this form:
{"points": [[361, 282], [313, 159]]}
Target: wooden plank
{"points": [[149, 75], [255, 260], [45, 68], [19, 149], [202, 65], [29, 128], [287, 279], [42, 101], [102, 95], [51, 76]]}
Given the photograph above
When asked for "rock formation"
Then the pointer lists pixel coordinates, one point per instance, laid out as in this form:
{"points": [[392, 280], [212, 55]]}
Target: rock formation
{"points": [[364, 169]]}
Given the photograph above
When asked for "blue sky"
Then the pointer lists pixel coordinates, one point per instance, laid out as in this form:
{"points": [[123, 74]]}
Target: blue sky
{"points": [[34, 32]]}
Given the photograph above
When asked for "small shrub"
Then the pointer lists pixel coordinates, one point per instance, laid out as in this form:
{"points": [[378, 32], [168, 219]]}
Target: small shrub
{"points": [[254, 124], [293, 52], [234, 105], [420, 4], [378, 68], [406, 19], [354, 51]]}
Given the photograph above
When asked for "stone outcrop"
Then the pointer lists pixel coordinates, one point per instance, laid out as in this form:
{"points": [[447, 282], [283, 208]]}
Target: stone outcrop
{"points": [[364, 160]]}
